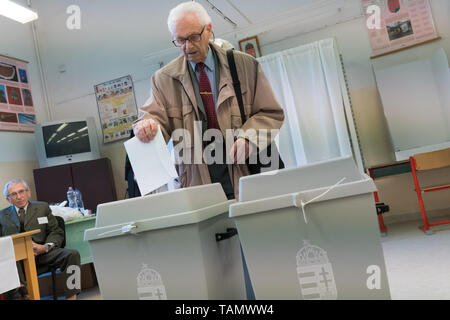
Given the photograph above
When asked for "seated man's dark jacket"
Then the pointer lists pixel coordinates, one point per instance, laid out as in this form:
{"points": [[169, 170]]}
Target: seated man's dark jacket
{"points": [[50, 232]]}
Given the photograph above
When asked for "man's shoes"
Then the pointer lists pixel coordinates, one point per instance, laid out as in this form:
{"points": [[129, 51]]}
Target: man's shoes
{"points": [[24, 292], [13, 295], [20, 293]]}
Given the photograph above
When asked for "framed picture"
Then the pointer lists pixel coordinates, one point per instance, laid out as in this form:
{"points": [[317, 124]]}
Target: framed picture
{"points": [[251, 46]]}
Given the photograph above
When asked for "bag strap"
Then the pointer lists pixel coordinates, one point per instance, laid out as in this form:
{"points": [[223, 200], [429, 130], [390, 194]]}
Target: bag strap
{"points": [[236, 82]]}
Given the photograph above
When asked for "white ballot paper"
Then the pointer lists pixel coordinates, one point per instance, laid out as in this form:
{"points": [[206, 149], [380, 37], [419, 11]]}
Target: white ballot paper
{"points": [[9, 278], [151, 162]]}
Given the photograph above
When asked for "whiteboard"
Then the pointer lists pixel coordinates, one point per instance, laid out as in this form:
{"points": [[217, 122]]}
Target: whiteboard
{"points": [[416, 103]]}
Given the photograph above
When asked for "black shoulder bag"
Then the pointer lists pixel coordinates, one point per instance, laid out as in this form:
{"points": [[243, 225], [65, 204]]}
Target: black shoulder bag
{"points": [[254, 168]]}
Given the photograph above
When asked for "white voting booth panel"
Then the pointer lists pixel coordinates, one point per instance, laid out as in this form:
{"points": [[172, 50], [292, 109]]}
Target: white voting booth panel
{"points": [[163, 246], [329, 250]]}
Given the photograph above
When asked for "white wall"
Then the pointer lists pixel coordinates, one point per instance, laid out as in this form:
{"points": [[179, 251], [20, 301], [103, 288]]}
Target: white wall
{"points": [[355, 48], [113, 41], [397, 191]]}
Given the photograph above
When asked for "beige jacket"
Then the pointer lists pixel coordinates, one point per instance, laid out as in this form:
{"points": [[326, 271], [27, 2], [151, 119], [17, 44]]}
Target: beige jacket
{"points": [[173, 106]]}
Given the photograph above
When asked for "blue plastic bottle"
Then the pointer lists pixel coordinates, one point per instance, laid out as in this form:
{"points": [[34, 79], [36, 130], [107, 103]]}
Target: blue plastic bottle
{"points": [[71, 197], [79, 201]]}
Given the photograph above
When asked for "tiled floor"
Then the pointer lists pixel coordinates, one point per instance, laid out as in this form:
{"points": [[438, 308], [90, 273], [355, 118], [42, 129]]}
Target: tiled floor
{"points": [[418, 265]]}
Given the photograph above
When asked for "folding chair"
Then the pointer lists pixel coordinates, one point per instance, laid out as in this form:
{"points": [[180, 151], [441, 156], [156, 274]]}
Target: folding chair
{"points": [[428, 161]]}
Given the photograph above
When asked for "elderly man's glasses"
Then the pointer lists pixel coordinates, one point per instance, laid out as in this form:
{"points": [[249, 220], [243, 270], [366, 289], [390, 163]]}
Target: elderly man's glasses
{"points": [[14, 195], [192, 38]]}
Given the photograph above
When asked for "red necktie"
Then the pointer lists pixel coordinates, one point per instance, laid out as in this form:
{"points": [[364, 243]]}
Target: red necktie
{"points": [[207, 97]]}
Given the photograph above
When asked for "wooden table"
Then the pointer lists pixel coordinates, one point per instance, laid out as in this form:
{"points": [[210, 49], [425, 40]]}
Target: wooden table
{"points": [[23, 250]]}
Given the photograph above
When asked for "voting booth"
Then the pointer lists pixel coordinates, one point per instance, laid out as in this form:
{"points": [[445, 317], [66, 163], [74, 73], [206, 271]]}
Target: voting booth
{"points": [[308, 233], [172, 245]]}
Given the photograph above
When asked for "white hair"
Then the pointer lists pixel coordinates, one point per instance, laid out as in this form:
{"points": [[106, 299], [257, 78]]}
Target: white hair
{"points": [[188, 8], [11, 182]]}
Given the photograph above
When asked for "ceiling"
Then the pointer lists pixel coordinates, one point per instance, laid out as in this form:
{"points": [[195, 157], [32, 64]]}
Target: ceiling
{"points": [[271, 20], [131, 37]]}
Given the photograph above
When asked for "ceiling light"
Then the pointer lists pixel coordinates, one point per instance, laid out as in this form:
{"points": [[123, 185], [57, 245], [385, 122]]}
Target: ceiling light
{"points": [[61, 127], [16, 12], [220, 13]]}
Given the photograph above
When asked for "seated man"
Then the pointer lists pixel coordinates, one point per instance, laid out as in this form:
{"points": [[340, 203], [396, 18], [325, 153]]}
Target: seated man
{"points": [[24, 215]]}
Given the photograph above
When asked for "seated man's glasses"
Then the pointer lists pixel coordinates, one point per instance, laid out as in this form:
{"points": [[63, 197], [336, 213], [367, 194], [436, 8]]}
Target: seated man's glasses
{"points": [[14, 195], [192, 38]]}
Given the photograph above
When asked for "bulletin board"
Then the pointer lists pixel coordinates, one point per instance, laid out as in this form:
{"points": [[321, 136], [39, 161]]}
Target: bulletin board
{"points": [[403, 24], [117, 108], [17, 111]]}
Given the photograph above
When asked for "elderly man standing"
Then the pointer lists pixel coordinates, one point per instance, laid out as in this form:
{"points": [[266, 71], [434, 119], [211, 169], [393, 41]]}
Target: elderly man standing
{"points": [[25, 215], [195, 93]]}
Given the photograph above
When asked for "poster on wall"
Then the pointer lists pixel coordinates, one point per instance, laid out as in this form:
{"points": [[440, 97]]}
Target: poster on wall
{"points": [[16, 102], [117, 108], [398, 24]]}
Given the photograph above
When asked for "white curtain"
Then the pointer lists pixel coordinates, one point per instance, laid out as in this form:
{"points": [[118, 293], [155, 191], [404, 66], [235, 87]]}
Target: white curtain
{"points": [[308, 83]]}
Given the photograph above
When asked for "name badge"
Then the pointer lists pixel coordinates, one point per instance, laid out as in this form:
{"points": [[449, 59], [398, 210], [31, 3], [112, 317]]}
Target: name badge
{"points": [[42, 220]]}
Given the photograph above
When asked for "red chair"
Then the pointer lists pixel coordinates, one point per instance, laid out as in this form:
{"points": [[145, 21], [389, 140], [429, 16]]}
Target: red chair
{"points": [[428, 161]]}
